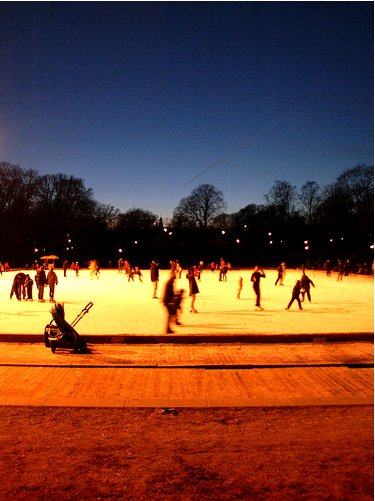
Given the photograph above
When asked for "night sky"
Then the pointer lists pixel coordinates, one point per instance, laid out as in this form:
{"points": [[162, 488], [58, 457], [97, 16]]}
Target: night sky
{"points": [[145, 101]]}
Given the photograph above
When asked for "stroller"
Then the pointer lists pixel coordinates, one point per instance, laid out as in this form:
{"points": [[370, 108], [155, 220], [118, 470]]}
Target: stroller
{"points": [[60, 334]]}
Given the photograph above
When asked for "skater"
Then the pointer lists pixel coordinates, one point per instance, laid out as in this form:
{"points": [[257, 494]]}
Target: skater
{"points": [[281, 270], [94, 269], [29, 282], [255, 278], [52, 281], [340, 270], [135, 271], [65, 267], [295, 295], [41, 282], [193, 289], [169, 301], [306, 282], [240, 286], [154, 272], [18, 286]]}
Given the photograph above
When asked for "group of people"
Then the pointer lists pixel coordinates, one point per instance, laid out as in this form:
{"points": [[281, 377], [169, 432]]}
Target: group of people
{"points": [[300, 290], [130, 271], [22, 286]]}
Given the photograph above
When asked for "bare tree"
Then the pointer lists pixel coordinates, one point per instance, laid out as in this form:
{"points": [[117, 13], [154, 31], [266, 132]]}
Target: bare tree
{"points": [[282, 197], [310, 197], [200, 208]]}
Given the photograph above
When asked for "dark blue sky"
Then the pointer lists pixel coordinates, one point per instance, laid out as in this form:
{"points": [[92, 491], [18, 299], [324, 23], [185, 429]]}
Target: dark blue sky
{"points": [[139, 98]]}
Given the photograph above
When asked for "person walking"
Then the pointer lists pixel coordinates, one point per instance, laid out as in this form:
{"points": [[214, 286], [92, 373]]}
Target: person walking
{"points": [[193, 288], [41, 282], [306, 282], [258, 273], [296, 295], [52, 281], [154, 272]]}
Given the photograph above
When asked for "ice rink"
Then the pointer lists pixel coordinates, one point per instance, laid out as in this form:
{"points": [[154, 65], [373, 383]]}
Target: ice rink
{"points": [[122, 307]]}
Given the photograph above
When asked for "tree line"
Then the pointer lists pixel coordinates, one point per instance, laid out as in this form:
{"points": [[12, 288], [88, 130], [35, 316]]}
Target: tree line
{"points": [[57, 214]]}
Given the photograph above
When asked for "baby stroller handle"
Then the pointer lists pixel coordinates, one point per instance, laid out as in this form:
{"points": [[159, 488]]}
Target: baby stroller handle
{"points": [[85, 310]]}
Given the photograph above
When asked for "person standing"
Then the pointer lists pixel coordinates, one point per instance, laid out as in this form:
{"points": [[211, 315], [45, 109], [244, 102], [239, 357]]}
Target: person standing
{"points": [[52, 281], [41, 281], [258, 273], [65, 267], [169, 301], [193, 288], [29, 282], [295, 295], [154, 272]]}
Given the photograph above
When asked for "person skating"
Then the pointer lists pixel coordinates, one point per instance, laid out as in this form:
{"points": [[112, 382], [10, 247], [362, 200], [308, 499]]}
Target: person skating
{"points": [[154, 273], [296, 295], [193, 289], [280, 273], [306, 282], [240, 286], [169, 301], [258, 273]]}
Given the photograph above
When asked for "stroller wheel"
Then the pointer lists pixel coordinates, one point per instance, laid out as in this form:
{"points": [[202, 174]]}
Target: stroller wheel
{"points": [[53, 347]]}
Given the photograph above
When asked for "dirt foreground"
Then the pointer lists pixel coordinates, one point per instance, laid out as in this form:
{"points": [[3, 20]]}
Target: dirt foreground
{"points": [[187, 454]]}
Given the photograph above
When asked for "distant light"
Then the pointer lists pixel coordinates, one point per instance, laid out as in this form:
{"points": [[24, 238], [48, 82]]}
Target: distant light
{"points": [[223, 232], [136, 241], [372, 246], [271, 242], [165, 229], [306, 242], [35, 250], [331, 239], [269, 233], [238, 240], [245, 226], [69, 240], [120, 250], [170, 233], [306, 247]]}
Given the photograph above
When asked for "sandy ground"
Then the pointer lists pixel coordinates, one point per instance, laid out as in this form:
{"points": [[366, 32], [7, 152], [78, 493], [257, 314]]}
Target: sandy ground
{"points": [[121, 307]]}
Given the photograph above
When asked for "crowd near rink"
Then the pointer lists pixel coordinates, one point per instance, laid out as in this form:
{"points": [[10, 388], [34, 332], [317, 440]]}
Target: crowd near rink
{"points": [[123, 307]]}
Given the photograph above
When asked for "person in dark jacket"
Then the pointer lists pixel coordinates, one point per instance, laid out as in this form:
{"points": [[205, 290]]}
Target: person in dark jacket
{"points": [[18, 286], [255, 278], [154, 272], [29, 282], [169, 301], [193, 289], [52, 281], [306, 282], [295, 295], [41, 282]]}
